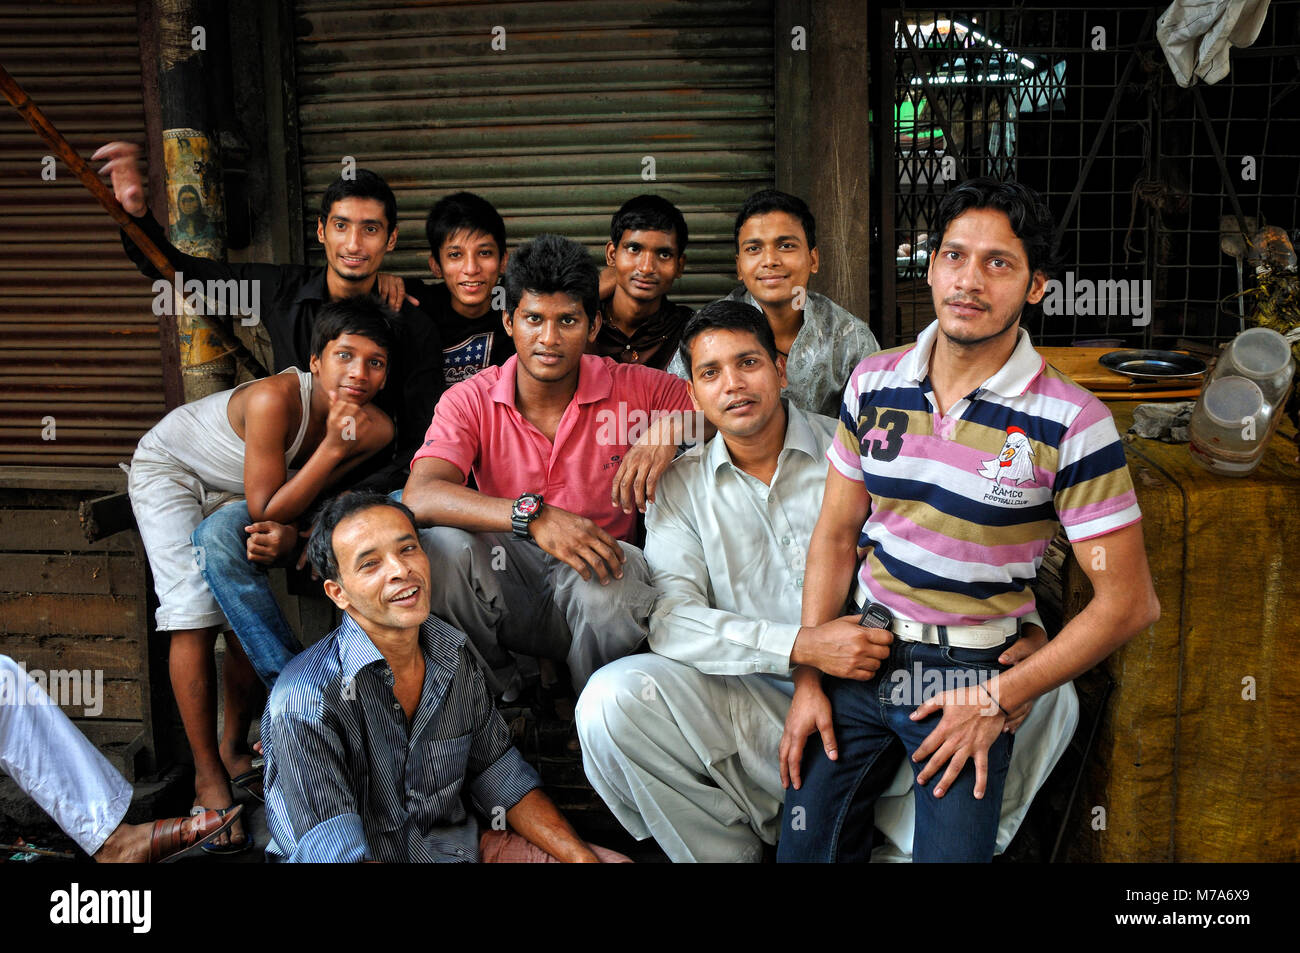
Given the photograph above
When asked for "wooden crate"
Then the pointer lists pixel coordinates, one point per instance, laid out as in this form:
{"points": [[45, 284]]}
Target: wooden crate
{"points": [[67, 604]]}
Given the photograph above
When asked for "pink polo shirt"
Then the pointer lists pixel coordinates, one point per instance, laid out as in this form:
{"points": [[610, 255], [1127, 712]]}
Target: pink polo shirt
{"points": [[477, 428]]}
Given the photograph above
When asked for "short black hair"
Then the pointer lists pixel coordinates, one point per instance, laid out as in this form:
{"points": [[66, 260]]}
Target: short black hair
{"points": [[551, 264], [1028, 214], [727, 315], [463, 212], [651, 213], [364, 184], [320, 548], [774, 200], [360, 314]]}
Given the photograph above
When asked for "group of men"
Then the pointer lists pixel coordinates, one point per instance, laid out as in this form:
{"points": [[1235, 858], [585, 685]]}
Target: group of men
{"points": [[835, 570]]}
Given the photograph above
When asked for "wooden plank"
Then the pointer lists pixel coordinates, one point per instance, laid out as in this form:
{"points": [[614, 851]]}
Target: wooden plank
{"points": [[64, 478], [116, 658], [98, 573], [121, 700], [54, 531], [54, 614], [26, 498], [110, 699], [104, 731]]}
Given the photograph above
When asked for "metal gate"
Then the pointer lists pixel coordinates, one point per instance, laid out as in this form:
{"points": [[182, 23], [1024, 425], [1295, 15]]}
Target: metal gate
{"points": [[1079, 103]]}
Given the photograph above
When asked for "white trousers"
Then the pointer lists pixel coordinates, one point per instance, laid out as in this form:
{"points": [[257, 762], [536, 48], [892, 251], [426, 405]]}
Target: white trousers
{"points": [[55, 764], [691, 759]]}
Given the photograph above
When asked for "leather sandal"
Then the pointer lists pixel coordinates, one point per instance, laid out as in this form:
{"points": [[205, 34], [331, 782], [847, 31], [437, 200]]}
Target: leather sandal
{"points": [[174, 837]]}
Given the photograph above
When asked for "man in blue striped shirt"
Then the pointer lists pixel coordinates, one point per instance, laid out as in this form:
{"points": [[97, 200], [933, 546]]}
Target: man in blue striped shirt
{"points": [[374, 735]]}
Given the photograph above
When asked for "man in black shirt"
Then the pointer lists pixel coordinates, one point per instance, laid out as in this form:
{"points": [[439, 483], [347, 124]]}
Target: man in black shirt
{"points": [[646, 253], [357, 226]]}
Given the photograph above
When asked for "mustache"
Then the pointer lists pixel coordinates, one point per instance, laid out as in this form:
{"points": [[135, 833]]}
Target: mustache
{"points": [[968, 302]]}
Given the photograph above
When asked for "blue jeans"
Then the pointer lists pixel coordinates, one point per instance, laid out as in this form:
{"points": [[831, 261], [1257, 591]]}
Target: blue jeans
{"points": [[829, 819], [243, 590]]}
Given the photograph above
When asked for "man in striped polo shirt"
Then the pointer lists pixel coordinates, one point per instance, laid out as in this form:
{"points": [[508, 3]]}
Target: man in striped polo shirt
{"points": [[954, 461]]}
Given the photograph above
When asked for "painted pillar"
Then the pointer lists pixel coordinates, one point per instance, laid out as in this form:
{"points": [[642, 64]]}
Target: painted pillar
{"points": [[191, 164]]}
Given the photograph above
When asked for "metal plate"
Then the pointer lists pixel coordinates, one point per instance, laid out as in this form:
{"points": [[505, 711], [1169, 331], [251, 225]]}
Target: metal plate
{"points": [[1153, 365]]}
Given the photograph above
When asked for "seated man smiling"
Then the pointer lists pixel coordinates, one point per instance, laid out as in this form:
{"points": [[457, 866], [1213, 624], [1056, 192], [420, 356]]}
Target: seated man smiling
{"points": [[374, 736]]}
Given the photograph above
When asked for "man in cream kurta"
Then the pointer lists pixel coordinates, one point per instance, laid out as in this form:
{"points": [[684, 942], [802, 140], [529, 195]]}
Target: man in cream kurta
{"points": [[682, 742]]}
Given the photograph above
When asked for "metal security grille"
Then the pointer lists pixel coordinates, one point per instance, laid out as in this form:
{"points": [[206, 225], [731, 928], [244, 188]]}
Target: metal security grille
{"points": [[558, 128], [80, 375], [1079, 103]]}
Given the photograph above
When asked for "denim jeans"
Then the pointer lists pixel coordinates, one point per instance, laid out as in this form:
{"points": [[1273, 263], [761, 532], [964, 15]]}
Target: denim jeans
{"points": [[243, 590], [829, 818]]}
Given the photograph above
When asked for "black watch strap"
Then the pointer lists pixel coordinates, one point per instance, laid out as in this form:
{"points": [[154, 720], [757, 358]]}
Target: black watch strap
{"points": [[526, 509]]}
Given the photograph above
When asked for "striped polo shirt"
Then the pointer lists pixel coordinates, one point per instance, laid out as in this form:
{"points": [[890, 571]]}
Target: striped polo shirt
{"points": [[964, 506]]}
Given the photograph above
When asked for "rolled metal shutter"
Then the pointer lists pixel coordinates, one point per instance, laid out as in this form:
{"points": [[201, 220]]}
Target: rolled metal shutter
{"points": [[557, 128], [78, 339]]}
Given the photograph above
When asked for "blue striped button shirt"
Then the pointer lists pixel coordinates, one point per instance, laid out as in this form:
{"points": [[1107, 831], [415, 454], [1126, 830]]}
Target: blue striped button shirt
{"points": [[348, 779]]}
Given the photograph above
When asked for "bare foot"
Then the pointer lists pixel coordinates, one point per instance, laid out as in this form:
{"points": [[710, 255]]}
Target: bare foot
{"points": [[128, 844], [215, 793], [238, 762]]}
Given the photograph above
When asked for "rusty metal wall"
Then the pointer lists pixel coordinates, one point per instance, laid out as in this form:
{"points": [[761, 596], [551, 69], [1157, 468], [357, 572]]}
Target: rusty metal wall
{"points": [[554, 128], [78, 338]]}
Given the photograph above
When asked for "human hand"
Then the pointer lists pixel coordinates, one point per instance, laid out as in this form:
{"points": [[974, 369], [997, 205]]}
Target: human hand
{"points": [[638, 474], [1031, 640], [842, 647], [971, 722], [578, 542], [269, 540], [124, 169], [392, 291], [810, 710], [351, 428]]}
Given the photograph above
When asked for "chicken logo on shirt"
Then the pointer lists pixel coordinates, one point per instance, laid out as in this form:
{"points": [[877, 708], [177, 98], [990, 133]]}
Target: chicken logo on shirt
{"points": [[1014, 463]]}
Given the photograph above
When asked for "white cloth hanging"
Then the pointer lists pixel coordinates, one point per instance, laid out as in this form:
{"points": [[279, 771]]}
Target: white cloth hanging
{"points": [[1197, 34]]}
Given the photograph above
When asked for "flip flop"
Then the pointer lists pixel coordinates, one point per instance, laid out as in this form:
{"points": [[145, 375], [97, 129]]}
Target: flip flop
{"points": [[228, 849], [247, 780], [174, 837]]}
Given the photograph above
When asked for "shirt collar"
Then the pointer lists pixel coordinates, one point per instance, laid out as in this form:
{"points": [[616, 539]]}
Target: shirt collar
{"points": [[438, 641], [817, 308], [653, 330], [798, 436], [1011, 380], [594, 382]]}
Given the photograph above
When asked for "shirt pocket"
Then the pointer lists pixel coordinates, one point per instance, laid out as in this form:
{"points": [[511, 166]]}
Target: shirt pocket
{"points": [[441, 764]]}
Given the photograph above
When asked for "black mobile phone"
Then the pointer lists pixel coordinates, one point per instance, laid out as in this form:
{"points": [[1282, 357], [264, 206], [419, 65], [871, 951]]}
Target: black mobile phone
{"points": [[876, 616]]}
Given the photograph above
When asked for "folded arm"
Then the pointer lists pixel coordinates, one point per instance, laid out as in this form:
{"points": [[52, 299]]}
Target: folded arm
{"points": [[353, 432]]}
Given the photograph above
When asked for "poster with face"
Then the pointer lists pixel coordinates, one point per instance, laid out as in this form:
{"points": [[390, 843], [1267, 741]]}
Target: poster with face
{"points": [[193, 194]]}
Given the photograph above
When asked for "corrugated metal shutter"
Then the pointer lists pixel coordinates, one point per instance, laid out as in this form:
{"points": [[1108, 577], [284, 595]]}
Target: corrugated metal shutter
{"points": [[78, 339], [554, 128]]}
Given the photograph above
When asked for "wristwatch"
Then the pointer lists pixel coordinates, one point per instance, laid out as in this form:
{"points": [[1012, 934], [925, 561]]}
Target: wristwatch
{"points": [[526, 509]]}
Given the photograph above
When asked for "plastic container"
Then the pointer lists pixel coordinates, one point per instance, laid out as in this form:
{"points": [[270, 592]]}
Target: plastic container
{"points": [[1263, 356], [1241, 404]]}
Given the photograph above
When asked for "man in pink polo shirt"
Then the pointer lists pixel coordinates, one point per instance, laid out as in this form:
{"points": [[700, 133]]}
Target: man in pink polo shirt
{"points": [[538, 560]]}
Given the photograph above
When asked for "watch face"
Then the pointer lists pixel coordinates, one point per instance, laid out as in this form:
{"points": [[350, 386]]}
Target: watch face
{"points": [[527, 506]]}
